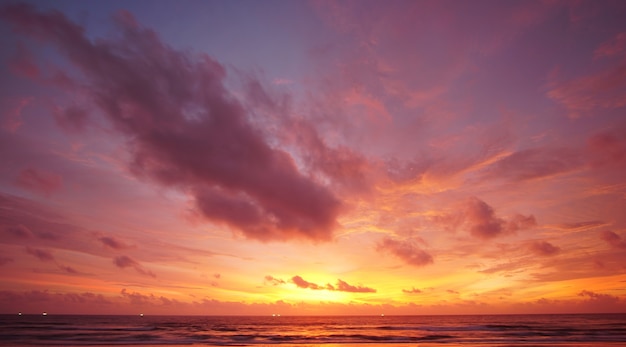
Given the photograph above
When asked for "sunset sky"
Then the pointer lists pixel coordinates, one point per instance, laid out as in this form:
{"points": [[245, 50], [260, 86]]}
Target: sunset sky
{"points": [[312, 157]]}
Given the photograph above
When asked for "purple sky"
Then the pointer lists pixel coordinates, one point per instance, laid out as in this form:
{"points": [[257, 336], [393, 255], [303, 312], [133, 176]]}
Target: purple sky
{"points": [[313, 157]]}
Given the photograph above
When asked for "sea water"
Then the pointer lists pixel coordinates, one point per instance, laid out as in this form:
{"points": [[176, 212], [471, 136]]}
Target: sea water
{"points": [[478, 330]]}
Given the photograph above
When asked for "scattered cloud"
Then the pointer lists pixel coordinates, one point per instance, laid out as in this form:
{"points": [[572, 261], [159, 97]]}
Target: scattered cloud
{"points": [[599, 297], [585, 96], [68, 269], [543, 248], [23, 63], [412, 291], [274, 281], [41, 254], [607, 149], [613, 239], [405, 250], [5, 260], [341, 286], [301, 283], [39, 181], [12, 110], [113, 243], [72, 119], [19, 231], [482, 222], [123, 261], [614, 47]]}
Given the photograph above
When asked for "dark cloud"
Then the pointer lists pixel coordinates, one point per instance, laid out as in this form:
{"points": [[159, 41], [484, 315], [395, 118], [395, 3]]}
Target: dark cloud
{"points": [[301, 283], [123, 261], [185, 129], [38, 297], [341, 286], [5, 260], [483, 223], [273, 280], [19, 231], [543, 248], [72, 119], [68, 269], [521, 222], [412, 291], [112, 242], [22, 63], [599, 297], [137, 298], [38, 181], [406, 251], [41, 254], [614, 240]]}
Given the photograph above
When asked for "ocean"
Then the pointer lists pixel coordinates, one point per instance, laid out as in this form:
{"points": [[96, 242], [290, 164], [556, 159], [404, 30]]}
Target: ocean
{"points": [[478, 330]]}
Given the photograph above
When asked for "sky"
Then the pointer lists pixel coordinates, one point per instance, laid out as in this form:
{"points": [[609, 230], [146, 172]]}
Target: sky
{"points": [[312, 157]]}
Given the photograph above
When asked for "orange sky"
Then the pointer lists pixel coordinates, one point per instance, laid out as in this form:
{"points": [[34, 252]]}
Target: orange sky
{"points": [[403, 157]]}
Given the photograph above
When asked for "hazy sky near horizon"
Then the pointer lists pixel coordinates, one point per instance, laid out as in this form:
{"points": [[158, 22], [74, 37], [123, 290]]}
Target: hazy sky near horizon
{"points": [[312, 157]]}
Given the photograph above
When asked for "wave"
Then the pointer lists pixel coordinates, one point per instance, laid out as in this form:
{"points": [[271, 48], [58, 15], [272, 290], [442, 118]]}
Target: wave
{"points": [[238, 331]]}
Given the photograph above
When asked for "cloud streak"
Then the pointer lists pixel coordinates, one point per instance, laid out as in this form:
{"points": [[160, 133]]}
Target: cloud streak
{"points": [[340, 286], [124, 261]]}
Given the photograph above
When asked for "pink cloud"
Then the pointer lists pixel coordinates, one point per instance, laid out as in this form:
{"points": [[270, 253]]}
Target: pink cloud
{"points": [[19, 231], [39, 181], [301, 283], [136, 298], [113, 243], [68, 269], [613, 47], [482, 219], [412, 291], [41, 254], [607, 149], [146, 88], [407, 251], [341, 286], [599, 298], [5, 260], [73, 119], [12, 112], [273, 280], [543, 248], [586, 95], [521, 222], [124, 261], [613, 239], [483, 223], [23, 64]]}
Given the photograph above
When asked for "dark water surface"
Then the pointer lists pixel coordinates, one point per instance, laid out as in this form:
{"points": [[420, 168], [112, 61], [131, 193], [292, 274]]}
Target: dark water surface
{"points": [[529, 330]]}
